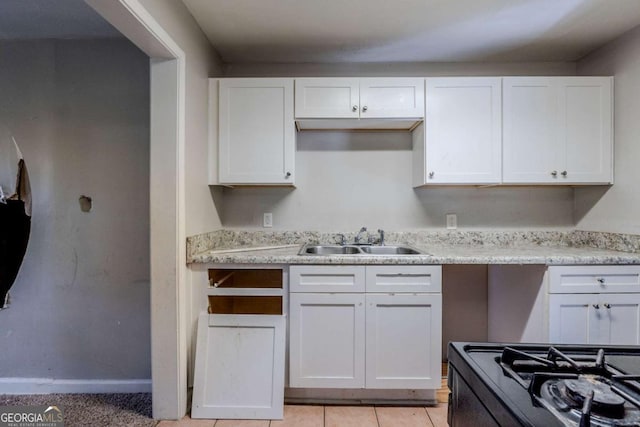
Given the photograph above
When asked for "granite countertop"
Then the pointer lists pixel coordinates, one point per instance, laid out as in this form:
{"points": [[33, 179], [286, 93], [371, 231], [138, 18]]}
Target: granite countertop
{"points": [[439, 254]]}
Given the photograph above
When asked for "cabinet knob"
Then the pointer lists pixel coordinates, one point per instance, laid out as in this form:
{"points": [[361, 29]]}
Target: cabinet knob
{"points": [[563, 173], [431, 174], [596, 306], [364, 109], [607, 305], [600, 280], [554, 173], [287, 175], [354, 108]]}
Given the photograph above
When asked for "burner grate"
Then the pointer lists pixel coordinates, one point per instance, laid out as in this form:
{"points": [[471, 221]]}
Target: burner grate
{"points": [[579, 387]]}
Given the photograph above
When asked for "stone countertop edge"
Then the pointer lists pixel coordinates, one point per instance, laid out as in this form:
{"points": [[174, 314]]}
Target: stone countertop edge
{"points": [[446, 247], [454, 254]]}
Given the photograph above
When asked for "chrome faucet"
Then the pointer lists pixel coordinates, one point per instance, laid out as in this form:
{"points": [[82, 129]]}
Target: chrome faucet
{"points": [[358, 237], [381, 241]]}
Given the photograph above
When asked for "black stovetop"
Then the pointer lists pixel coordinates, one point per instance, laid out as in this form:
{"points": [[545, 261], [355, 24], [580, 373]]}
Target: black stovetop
{"points": [[506, 390]]}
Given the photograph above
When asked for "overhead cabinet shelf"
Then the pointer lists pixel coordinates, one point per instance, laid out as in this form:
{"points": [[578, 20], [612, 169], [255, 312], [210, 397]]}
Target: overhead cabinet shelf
{"points": [[359, 103]]}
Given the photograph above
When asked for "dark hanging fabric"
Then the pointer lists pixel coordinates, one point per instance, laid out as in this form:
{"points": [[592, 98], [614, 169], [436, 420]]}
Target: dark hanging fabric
{"points": [[16, 221]]}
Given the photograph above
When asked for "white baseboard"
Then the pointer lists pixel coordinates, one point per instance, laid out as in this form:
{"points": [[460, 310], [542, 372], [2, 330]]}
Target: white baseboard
{"points": [[51, 385]]}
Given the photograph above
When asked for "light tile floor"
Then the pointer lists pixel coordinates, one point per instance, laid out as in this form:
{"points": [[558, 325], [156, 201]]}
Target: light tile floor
{"points": [[335, 416]]}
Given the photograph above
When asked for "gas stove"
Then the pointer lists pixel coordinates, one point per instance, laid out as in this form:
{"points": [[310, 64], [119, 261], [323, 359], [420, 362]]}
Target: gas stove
{"points": [[542, 385]]}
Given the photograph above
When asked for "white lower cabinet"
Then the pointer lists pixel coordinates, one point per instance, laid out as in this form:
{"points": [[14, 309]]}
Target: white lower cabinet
{"points": [[594, 319], [401, 332], [594, 305], [371, 340], [327, 340]]}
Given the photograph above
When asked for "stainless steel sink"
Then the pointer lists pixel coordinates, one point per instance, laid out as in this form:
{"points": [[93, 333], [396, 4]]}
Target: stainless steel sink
{"points": [[329, 250], [309, 249], [389, 250]]}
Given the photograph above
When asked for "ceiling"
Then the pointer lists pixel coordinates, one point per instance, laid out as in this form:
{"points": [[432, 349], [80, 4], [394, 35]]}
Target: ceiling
{"points": [[51, 19], [295, 31], [411, 30]]}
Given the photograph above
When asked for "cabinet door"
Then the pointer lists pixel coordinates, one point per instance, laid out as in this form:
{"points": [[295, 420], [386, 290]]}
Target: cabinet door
{"points": [[326, 342], [256, 131], [587, 137], [391, 98], [594, 319], [569, 318], [239, 369], [327, 98], [531, 130], [463, 130], [618, 318], [404, 334]]}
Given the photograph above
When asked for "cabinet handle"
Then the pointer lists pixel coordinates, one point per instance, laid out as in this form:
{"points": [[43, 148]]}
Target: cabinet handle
{"points": [[431, 175], [564, 173], [600, 280], [364, 109], [607, 305], [287, 175], [554, 173], [596, 306], [354, 108]]}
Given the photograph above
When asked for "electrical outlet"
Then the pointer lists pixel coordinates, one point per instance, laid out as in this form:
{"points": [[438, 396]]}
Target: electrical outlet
{"points": [[452, 221], [267, 220]]}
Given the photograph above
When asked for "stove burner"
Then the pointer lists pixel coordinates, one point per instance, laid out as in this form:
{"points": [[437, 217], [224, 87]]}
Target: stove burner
{"points": [[582, 388], [605, 401]]}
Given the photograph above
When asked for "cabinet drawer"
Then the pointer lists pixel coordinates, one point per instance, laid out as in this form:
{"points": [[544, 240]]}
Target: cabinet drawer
{"points": [[244, 304], [411, 278], [594, 279], [343, 278], [250, 278]]}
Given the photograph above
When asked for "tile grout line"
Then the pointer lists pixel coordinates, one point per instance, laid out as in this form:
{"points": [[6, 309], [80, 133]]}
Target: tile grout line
{"points": [[429, 417], [375, 411], [324, 417]]}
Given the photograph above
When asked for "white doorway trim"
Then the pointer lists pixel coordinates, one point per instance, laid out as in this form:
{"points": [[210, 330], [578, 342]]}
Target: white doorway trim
{"points": [[167, 201]]}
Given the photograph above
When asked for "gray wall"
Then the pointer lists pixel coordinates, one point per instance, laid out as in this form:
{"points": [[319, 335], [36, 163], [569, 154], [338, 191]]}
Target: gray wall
{"points": [[346, 179], [80, 306], [617, 209]]}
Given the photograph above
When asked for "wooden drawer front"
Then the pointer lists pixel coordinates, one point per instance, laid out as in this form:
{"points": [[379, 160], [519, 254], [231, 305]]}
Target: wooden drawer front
{"points": [[244, 304], [411, 278], [245, 278], [594, 279], [347, 278]]}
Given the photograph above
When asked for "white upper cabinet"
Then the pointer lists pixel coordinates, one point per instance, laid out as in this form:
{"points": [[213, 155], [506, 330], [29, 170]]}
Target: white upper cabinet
{"points": [[256, 132], [463, 132], [391, 98], [328, 98], [557, 130], [586, 107], [359, 98]]}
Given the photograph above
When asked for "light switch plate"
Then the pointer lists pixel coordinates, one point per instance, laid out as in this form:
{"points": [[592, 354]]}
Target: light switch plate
{"points": [[452, 221], [267, 220]]}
